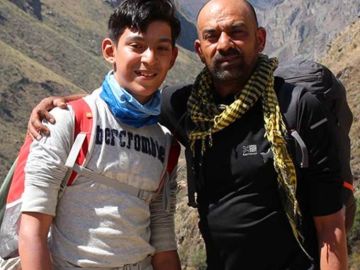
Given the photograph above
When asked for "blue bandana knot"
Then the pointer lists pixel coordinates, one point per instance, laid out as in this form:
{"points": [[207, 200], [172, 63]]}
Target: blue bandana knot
{"points": [[126, 108]]}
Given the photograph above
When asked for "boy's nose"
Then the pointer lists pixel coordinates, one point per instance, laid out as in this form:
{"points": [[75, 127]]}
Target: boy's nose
{"points": [[149, 56]]}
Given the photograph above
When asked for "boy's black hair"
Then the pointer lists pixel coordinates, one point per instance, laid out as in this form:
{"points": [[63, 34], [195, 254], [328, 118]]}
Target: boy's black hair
{"points": [[138, 14]]}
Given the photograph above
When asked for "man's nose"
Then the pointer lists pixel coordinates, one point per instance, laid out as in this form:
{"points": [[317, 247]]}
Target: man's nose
{"points": [[225, 42]]}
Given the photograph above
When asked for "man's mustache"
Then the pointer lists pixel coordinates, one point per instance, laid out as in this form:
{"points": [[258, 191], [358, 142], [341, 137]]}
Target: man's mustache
{"points": [[222, 55]]}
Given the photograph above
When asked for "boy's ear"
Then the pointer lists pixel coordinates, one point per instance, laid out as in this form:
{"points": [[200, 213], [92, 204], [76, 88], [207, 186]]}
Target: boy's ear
{"points": [[175, 52], [108, 50]]}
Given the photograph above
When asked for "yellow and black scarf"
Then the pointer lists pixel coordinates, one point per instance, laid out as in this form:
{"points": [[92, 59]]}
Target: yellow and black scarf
{"points": [[208, 119]]}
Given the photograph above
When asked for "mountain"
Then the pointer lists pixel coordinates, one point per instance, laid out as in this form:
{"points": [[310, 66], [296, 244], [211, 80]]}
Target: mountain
{"points": [[343, 58], [190, 8], [52, 47], [295, 27], [265, 4], [188, 32], [304, 27]]}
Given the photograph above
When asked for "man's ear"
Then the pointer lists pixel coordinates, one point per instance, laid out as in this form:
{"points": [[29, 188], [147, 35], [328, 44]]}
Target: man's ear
{"points": [[175, 52], [261, 38], [197, 46], [108, 50]]}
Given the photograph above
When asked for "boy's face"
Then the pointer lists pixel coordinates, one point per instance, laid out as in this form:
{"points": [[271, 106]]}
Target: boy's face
{"points": [[142, 60]]}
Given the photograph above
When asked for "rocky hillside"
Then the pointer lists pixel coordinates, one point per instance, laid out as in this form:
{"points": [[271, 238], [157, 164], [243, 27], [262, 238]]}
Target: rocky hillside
{"points": [[304, 27], [343, 57], [190, 8]]}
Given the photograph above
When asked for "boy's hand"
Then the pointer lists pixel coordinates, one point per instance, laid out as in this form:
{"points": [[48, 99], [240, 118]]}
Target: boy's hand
{"points": [[41, 112]]}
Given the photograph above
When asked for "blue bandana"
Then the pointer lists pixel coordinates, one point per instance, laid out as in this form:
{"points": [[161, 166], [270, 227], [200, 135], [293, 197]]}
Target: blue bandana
{"points": [[126, 108]]}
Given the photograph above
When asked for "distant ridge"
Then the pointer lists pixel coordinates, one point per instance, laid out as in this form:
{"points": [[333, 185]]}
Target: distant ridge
{"points": [[295, 27]]}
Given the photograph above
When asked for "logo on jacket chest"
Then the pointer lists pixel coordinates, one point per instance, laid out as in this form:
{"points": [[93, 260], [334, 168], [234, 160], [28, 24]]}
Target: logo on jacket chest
{"points": [[129, 140], [245, 150], [249, 150], [253, 150]]}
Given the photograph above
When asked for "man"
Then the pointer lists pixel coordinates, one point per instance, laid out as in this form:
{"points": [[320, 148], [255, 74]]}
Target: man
{"points": [[254, 212]]}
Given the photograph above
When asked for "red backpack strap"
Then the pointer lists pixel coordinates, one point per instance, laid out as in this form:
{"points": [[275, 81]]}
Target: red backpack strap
{"points": [[173, 156], [171, 163], [17, 183], [83, 124], [348, 186]]}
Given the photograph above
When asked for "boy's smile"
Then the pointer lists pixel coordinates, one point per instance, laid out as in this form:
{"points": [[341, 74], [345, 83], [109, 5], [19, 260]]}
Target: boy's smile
{"points": [[142, 60]]}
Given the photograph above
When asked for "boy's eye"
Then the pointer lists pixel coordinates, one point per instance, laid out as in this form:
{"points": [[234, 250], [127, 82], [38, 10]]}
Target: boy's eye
{"points": [[136, 46], [164, 48]]}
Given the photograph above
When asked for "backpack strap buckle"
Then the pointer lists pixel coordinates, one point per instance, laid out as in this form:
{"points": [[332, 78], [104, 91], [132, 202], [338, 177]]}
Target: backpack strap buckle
{"points": [[304, 151], [145, 195]]}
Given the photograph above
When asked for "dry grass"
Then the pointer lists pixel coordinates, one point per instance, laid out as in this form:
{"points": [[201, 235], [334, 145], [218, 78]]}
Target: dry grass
{"points": [[343, 57]]}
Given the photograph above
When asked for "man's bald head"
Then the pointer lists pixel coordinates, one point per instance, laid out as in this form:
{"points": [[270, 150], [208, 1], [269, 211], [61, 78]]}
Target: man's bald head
{"points": [[229, 42], [250, 6]]}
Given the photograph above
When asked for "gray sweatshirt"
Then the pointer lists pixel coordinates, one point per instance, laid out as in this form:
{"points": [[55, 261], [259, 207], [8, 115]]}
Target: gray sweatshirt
{"points": [[97, 225]]}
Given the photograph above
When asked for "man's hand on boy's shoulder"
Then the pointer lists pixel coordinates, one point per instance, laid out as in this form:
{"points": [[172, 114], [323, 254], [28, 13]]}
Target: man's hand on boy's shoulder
{"points": [[41, 112]]}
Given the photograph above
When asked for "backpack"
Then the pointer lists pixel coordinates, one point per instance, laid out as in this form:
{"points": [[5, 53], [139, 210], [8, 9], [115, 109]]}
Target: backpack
{"points": [[13, 186], [305, 75], [298, 76], [84, 134]]}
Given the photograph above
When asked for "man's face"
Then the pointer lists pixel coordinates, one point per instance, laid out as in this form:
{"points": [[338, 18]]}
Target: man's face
{"points": [[142, 60], [229, 40]]}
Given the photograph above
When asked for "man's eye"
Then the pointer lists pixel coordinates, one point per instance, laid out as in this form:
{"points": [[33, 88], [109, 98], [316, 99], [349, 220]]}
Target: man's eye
{"points": [[211, 37], [238, 32]]}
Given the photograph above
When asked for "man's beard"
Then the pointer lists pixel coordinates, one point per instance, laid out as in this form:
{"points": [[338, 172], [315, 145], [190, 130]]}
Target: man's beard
{"points": [[230, 72]]}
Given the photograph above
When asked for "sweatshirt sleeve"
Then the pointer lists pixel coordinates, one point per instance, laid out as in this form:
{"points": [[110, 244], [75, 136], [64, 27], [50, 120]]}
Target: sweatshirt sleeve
{"points": [[45, 169], [162, 222]]}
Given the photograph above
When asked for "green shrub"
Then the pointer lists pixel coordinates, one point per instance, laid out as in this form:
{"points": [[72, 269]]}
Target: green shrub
{"points": [[354, 235], [354, 238], [198, 259]]}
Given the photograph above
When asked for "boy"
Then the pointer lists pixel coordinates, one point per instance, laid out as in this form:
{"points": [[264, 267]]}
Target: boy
{"points": [[95, 225]]}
